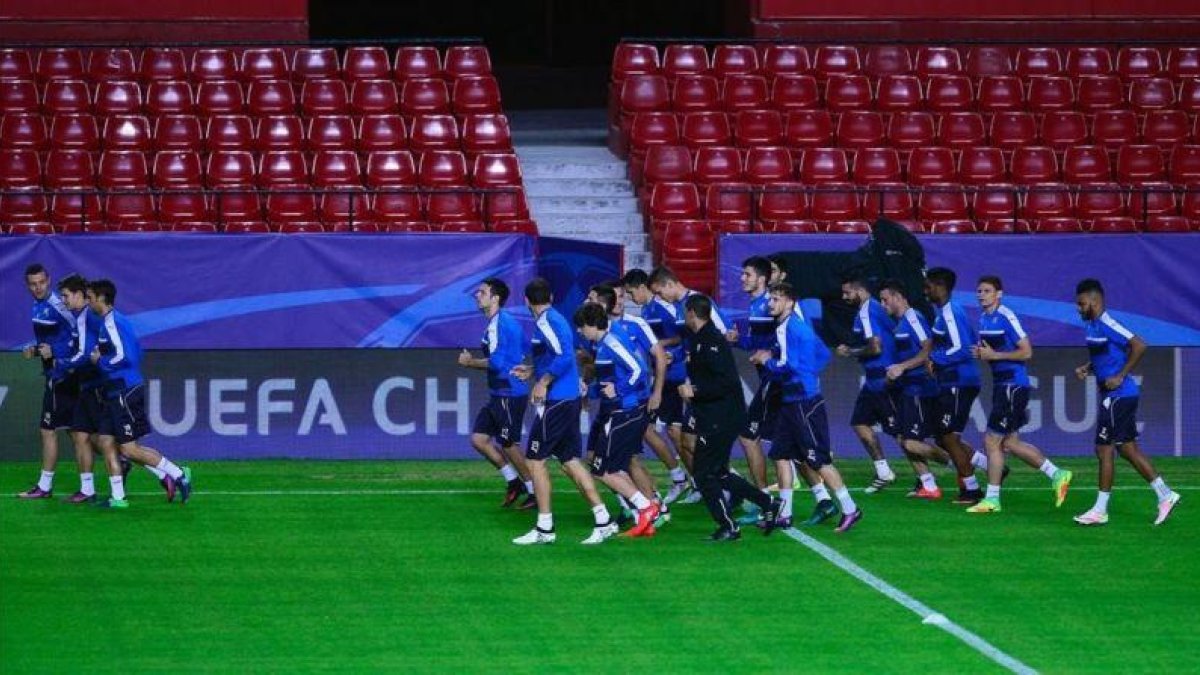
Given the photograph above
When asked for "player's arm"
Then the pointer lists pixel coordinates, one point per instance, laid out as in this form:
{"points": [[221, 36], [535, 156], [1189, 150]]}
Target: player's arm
{"points": [[1023, 352], [468, 360], [117, 359], [660, 368], [1137, 349], [872, 347]]}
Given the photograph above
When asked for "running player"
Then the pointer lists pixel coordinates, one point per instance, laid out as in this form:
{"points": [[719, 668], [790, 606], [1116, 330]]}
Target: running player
{"points": [[759, 335]]}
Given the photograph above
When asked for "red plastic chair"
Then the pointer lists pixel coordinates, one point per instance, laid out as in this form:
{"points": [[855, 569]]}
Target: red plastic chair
{"points": [[162, 63], [706, 128], [786, 59], [1099, 200], [214, 63], [1115, 128], [995, 202], [745, 92], [1038, 61], [1012, 130], [949, 93], [269, 63], [59, 63], [942, 201], [111, 63], [718, 164], [734, 60], [130, 212], [390, 169], [650, 129], [999, 93], [282, 168], [670, 163], [424, 96], [911, 129], [728, 202], [1064, 129], [508, 205], [684, 59], [674, 201], [118, 97], [830, 60], [381, 132], [442, 168], [1185, 164], [181, 169], [983, 61], [476, 95], [824, 165], [808, 129], [523, 226], [1086, 164], [953, 227], [487, 132], [893, 201], [1089, 61], [1138, 163], [931, 165], [694, 93], [336, 169], [374, 97], [331, 132], [279, 132], [27, 208], [795, 92], [769, 164], [1100, 92], [836, 202], [324, 97], [19, 96], [270, 97], [229, 132], [883, 60], [1189, 97], [16, 63], [981, 165], [61, 97], [938, 61], [77, 132], [468, 60], [20, 169], [1034, 164], [367, 63], [860, 128], [630, 58], [959, 130], [169, 97], [783, 202], [23, 131], [1051, 93], [220, 97], [1058, 226], [82, 209], [757, 128], [315, 63], [847, 92], [1006, 226], [1151, 93], [496, 170], [1171, 224], [1113, 226], [1166, 128], [1183, 63], [1152, 199], [899, 92], [876, 165], [127, 132], [1138, 62], [1047, 200], [434, 132]]}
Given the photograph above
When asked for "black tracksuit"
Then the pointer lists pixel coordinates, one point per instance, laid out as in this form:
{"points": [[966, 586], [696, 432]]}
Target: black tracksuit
{"points": [[720, 411]]}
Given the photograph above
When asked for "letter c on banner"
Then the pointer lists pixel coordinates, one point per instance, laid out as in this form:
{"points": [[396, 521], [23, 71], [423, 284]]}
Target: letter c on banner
{"points": [[379, 406]]}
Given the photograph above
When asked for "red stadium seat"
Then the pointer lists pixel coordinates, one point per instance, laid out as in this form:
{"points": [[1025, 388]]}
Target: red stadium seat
{"points": [[307, 226], [315, 63], [127, 132], [229, 132], [280, 132], [938, 61], [1100, 92], [899, 92], [282, 168], [795, 92], [496, 170], [671, 163], [23, 130], [1013, 130], [689, 244], [981, 165], [1051, 93], [336, 168], [214, 63], [475, 226], [324, 97], [830, 60], [1183, 63], [783, 202], [406, 227], [176, 170], [948, 93], [391, 168], [745, 92], [1166, 128], [118, 97], [131, 212], [290, 204], [706, 128], [1099, 200], [847, 92], [1047, 200], [1113, 226], [442, 168], [931, 165], [1138, 62], [434, 132], [953, 227], [1062, 129], [424, 96], [684, 59], [81, 208], [1089, 61], [468, 60], [169, 97], [911, 129], [1000, 93], [1034, 164], [75, 132], [1140, 163], [1153, 199], [1185, 164], [718, 164], [860, 128], [1115, 128], [808, 129], [836, 202], [791, 227], [509, 205], [1189, 97], [523, 226], [270, 97], [19, 96], [220, 97], [396, 204], [650, 129], [769, 165], [734, 60], [15, 63], [476, 95], [674, 201], [984, 60], [382, 132], [1038, 61], [758, 127], [785, 59], [1058, 226], [883, 60], [28, 206], [728, 202], [630, 58], [942, 201], [175, 208], [893, 201], [269, 63], [374, 97], [959, 130], [824, 165], [59, 63], [111, 63], [1006, 226], [1151, 93], [62, 96], [876, 165], [486, 133], [1170, 224], [367, 63], [330, 132], [162, 63], [995, 202], [691, 93], [849, 227], [1086, 164], [20, 169]]}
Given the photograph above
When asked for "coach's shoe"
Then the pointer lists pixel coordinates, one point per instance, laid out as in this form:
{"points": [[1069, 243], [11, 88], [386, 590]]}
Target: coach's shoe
{"points": [[599, 534], [1061, 483], [678, 488], [779, 524], [111, 503], [168, 486], [724, 534], [515, 489], [80, 498], [770, 516], [1165, 507], [529, 503], [986, 505], [824, 510], [535, 536], [1092, 517], [36, 492], [878, 484], [968, 497], [184, 485], [848, 521], [926, 493]]}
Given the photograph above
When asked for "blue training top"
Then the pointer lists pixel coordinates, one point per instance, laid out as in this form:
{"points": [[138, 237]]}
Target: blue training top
{"points": [[53, 325], [618, 362], [798, 363], [911, 331], [503, 345], [1108, 348], [953, 336], [1002, 330], [553, 351], [120, 354], [872, 321]]}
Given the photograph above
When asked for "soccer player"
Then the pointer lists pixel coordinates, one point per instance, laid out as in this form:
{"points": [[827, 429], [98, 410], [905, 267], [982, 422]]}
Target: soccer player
{"points": [[1114, 352], [660, 316], [622, 376], [1004, 345], [917, 391], [715, 392], [759, 335], [52, 326], [802, 433], [503, 415], [555, 431], [957, 375]]}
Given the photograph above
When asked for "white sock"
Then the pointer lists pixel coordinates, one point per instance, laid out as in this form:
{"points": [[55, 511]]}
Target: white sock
{"points": [[1160, 488], [883, 471], [158, 473], [970, 483], [678, 475], [1102, 502], [786, 497], [601, 514], [168, 467], [118, 486], [545, 522], [1048, 468], [928, 482], [87, 483], [979, 460], [639, 501], [46, 481], [529, 486], [508, 473], [993, 492], [819, 492], [847, 502]]}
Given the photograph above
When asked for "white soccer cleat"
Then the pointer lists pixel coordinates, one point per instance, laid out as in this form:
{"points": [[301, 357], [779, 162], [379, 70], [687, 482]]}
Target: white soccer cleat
{"points": [[534, 536], [676, 491], [1092, 517], [600, 533], [1165, 507], [693, 497]]}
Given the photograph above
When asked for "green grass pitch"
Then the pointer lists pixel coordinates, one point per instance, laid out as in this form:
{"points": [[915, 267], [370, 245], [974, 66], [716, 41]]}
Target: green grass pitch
{"points": [[289, 566]]}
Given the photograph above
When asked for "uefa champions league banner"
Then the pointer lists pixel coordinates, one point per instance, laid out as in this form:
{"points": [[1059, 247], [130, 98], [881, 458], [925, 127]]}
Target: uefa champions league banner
{"points": [[278, 291], [573, 266], [1150, 281]]}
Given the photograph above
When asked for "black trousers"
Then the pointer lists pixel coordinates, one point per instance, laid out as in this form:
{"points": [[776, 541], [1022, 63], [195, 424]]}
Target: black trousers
{"points": [[717, 427]]}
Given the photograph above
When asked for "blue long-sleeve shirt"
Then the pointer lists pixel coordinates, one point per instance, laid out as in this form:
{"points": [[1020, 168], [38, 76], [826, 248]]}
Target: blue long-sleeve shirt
{"points": [[553, 351], [660, 316], [503, 345], [1108, 348], [120, 354], [797, 362], [53, 325], [1002, 330], [76, 360], [953, 336], [911, 332], [618, 362], [872, 321]]}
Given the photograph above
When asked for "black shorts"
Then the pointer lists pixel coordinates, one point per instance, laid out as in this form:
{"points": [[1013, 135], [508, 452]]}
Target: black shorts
{"points": [[1116, 420], [596, 430], [1009, 414], [876, 407], [502, 418], [88, 415], [125, 416], [555, 431], [58, 403], [619, 440], [954, 409], [802, 433], [916, 416], [672, 410], [763, 411]]}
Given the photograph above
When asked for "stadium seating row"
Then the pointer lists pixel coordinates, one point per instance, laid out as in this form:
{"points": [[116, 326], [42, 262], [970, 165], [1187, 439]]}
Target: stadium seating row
{"points": [[246, 64], [261, 227]]}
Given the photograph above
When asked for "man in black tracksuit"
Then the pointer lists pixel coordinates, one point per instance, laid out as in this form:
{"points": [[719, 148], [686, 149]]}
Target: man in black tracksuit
{"points": [[715, 392]]}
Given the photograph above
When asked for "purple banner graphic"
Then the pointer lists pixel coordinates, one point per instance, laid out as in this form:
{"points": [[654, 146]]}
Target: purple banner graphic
{"points": [[277, 291], [1150, 281], [572, 266]]}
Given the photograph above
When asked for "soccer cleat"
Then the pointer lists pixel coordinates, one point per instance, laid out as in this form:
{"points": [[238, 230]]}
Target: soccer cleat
{"points": [[664, 516], [1165, 507], [824, 510], [912, 492], [986, 505], [599, 534], [770, 516], [36, 492], [677, 490], [535, 536], [968, 497], [780, 524], [878, 484], [848, 521], [168, 486], [184, 485], [1092, 517], [692, 497], [514, 491], [645, 522], [529, 503], [926, 493], [80, 498], [1061, 483], [724, 534], [111, 503]]}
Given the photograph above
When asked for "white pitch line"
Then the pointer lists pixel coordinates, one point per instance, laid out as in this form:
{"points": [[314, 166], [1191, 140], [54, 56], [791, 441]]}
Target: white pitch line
{"points": [[928, 615]]}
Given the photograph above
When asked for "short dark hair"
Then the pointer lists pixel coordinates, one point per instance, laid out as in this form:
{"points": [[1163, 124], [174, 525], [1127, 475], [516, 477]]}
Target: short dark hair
{"points": [[607, 295], [635, 277], [942, 276], [1089, 285], [783, 288], [780, 261], [73, 283], [855, 280], [591, 314], [699, 305], [537, 291], [103, 288], [498, 288], [991, 279], [35, 268], [662, 275], [759, 264], [895, 286]]}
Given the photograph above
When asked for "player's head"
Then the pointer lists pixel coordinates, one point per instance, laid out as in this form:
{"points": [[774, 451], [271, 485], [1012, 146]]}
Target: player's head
{"points": [[37, 280], [697, 311], [854, 290], [666, 285], [1089, 299], [756, 274], [491, 295], [782, 299], [989, 291], [939, 284], [73, 289], [592, 320], [537, 293], [894, 297], [605, 296], [779, 268], [637, 285], [101, 295]]}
